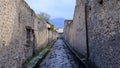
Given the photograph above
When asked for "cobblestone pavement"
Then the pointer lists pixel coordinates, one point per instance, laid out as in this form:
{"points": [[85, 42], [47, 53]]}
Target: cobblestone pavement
{"points": [[60, 57]]}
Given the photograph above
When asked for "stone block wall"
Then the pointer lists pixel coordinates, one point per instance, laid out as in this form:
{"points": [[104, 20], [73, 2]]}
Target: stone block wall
{"points": [[103, 23], [25, 24], [20, 37], [43, 35], [52, 35], [41, 32], [68, 31], [104, 32], [10, 46], [49, 35], [77, 35]]}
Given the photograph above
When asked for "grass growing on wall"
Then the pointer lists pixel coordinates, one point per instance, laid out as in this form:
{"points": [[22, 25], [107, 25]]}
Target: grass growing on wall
{"points": [[52, 28]]}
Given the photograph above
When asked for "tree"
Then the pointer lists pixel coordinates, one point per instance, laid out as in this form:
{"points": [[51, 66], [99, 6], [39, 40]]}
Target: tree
{"points": [[43, 16]]}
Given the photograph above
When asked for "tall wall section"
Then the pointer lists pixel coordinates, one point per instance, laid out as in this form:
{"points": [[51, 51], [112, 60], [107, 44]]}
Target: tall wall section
{"points": [[103, 23], [80, 27], [11, 49], [41, 33], [77, 35], [20, 36], [104, 32], [68, 32]]}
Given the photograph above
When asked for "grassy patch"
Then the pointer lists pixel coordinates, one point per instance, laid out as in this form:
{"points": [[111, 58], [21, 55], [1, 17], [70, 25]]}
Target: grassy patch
{"points": [[44, 56], [48, 46], [25, 63], [91, 64], [38, 63]]}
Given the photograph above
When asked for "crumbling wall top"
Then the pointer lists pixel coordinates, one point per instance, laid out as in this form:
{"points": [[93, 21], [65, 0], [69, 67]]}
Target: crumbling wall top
{"points": [[28, 7]]}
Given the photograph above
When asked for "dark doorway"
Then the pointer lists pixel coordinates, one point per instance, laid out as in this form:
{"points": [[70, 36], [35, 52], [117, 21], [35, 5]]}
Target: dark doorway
{"points": [[30, 39]]}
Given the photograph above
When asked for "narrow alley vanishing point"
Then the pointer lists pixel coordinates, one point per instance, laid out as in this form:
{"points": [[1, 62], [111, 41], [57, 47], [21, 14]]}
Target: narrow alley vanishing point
{"points": [[61, 57], [93, 33]]}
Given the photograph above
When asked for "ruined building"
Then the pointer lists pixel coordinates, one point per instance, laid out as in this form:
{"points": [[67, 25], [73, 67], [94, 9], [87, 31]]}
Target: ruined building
{"points": [[21, 35], [95, 31]]}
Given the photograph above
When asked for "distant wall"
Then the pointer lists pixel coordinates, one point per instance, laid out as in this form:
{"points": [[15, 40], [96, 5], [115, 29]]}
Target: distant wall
{"points": [[67, 31], [76, 30], [41, 34]]}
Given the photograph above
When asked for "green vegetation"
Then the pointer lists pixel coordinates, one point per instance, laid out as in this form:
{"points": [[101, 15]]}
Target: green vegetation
{"points": [[48, 47], [43, 16], [52, 28], [91, 64], [26, 62]]}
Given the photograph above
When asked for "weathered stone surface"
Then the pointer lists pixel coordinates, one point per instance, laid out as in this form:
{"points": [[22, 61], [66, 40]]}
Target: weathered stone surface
{"points": [[76, 29], [60, 57], [41, 34], [104, 32], [16, 17], [103, 19]]}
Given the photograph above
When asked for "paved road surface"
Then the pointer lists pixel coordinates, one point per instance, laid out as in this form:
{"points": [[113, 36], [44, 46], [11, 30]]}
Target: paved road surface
{"points": [[60, 57]]}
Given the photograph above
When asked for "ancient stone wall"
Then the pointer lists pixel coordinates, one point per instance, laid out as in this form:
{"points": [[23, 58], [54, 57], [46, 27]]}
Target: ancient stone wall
{"points": [[104, 32], [77, 28], [26, 22], [20, 37], [52, 35], [103, 25], [49, 35], [67, 30], [41, 34], [10, 45]]}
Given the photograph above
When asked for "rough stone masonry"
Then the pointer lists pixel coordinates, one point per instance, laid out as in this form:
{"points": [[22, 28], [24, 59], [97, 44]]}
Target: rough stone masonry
{"points": [[103, 23], [20, 33]]}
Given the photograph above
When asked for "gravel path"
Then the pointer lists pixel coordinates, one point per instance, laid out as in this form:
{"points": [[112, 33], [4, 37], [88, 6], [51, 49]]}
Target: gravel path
{"points": [[60, 57]]}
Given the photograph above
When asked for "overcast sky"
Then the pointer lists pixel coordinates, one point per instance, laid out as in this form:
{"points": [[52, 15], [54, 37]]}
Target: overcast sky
{"points": [[55, 8]]}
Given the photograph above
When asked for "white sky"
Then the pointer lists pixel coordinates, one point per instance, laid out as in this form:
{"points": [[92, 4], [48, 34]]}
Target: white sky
{"points": [[55, 8]]}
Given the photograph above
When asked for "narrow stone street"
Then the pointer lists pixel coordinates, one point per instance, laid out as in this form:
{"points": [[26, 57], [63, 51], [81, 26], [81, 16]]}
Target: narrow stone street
{"points": [[60, 57]]}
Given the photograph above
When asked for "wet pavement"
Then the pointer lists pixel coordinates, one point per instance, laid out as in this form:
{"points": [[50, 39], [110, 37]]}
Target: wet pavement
{"points": [[60, 57]]}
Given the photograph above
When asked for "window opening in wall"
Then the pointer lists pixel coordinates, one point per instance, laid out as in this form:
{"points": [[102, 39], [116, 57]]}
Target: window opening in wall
{"points": [[48, 28], [34, 42], [90, 8], [28, 36], [38, 22], [101, 2]]}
